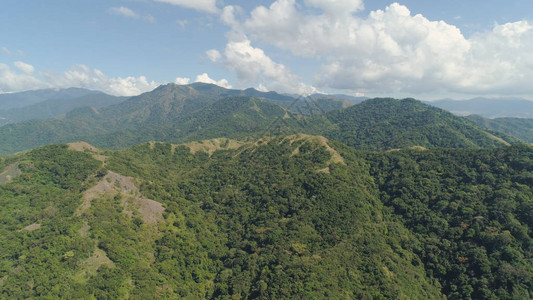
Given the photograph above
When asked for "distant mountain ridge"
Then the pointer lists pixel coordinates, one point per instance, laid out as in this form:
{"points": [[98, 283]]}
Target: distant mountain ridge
{"points": [[21, 99], [488, 107], [54, 107], [178, 113], [521, 128], [352, 99]]}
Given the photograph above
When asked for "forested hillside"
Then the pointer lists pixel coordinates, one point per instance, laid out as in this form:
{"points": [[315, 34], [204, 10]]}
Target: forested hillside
{"points": [[277, 218], [472, 211], [176, 114], [521, 128], [384, 123]]}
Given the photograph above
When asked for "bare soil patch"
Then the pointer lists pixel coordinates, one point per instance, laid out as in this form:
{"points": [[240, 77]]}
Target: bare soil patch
{"points": [[335, 156], [3, 279], [12, 171], [112, 184], [210, 146], [31, 227], [82, 146], [492, 136]]}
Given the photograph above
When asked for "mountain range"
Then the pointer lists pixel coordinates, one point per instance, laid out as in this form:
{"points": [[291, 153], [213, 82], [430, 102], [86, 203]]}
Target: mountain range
{"points": [[27, 98], [179, 113], [54, 107], [215, 193]]}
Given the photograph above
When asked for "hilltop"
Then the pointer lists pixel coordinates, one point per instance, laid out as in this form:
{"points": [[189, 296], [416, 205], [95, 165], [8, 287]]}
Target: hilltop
{"points": [[385, 123]]}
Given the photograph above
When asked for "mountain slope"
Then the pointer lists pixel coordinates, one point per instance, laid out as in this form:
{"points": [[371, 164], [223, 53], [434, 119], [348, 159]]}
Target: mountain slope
{"points": [[170, 113], [175, 113], [518, 127], [54, 107], [235, 116], [259, 220], [472, 210], [384, 123], [275, 218], [351, 99]]}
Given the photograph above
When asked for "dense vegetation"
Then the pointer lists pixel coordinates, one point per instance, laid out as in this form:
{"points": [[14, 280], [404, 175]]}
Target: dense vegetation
{"points": [[472, 211], [518, 127], [384, 123], [176, 114], [295, 216], [283, 218]]}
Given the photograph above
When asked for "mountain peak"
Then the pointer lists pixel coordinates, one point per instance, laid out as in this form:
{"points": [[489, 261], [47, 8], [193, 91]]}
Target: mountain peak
{"points": [[387, 123]]}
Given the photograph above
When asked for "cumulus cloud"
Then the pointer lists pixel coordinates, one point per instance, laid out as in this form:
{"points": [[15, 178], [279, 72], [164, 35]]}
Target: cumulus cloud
{"points": [[82, 76], [12, 81], [253, 66], [206, 79], [182, 80], [228, 15], [24, 67], [25, 78], [213, 55], [389, 50], [201, 5], [337, 7]]}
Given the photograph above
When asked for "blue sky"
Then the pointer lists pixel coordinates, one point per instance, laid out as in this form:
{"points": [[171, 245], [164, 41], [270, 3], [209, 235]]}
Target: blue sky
{"points": [[421, 49]]}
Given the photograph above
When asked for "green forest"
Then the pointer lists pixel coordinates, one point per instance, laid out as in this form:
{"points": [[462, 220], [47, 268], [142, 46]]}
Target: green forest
{"points": [[177, 114], [294, 217]]}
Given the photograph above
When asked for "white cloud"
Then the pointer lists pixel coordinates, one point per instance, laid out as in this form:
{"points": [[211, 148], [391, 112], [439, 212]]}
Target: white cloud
{"points": [[182, 80], [228, 15], [12, 81], [123, 11], [24, 67], [6, 51], [386, 51], [82, 76], [182, 23], [201, 5], [149, 18], [11, 53], [75, 76], [254, 67], [206, 79], [337, 7], [128, 13], [213, 55]]}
